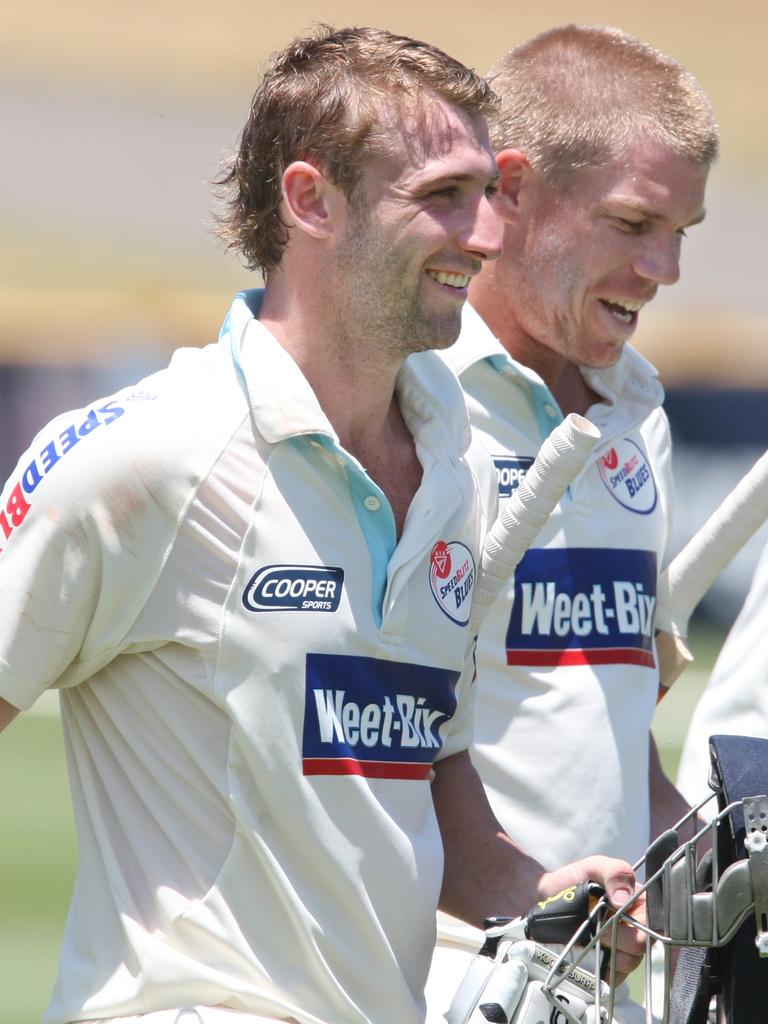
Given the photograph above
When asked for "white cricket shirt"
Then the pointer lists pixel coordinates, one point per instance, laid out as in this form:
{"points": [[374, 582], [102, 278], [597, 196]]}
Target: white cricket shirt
{"points": [[735, 701], [255, 682], [566, 672]]}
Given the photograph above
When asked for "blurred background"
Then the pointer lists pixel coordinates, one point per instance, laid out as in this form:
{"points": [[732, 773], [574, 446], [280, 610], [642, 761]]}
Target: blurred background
{"points": [[113, 118]]}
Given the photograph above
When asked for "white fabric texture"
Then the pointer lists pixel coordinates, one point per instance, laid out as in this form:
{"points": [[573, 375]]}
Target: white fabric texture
{"points": [[250, 723], [566, 674], [188, 1015], [735, 701]]}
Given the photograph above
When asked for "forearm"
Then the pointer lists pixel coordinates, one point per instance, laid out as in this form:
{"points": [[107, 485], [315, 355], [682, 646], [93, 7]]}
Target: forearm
{"points": [[668, 805], [485, 872], [487, 875]]}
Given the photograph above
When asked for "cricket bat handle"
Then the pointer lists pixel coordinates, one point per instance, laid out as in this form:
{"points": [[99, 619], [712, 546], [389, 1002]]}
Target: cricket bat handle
{"points": [[560, 459], [693, 571]]}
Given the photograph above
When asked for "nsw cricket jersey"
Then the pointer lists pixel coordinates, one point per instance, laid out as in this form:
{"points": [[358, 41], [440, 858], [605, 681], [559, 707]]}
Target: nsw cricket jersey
{"points": [[735, 701], [566, 673], [256, 678]]}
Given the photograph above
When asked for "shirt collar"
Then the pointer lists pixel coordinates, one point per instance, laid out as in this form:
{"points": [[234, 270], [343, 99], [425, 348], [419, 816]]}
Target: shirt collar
{"points": [[284, 405], [632, 378]]}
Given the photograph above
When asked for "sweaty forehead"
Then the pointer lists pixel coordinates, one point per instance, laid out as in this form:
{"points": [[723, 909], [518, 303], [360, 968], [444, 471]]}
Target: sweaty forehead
{"points": [[651, 178], [430, 132]]}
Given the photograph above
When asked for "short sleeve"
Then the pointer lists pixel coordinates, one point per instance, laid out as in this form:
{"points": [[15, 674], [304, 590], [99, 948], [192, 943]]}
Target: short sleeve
{"points": [[85, 522]]}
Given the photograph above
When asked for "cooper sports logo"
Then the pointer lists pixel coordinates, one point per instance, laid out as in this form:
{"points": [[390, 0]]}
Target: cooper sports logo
{"points": [[295, 588], [451, 579], [379, 719], [510, 471]]}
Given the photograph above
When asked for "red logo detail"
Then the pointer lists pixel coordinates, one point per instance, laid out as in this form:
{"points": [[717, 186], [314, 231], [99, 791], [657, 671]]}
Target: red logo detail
{"points": [[611, 460], [441, 559]]}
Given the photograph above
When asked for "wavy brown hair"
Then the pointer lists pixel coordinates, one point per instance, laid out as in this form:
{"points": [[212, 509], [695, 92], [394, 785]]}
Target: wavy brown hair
{"points": [[324, 99]]}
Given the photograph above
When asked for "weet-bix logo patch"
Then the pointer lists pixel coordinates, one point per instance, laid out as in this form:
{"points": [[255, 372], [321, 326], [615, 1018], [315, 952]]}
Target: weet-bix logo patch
{"points": [[583, 606], [510, 472], [294, 588], [378, 719]]}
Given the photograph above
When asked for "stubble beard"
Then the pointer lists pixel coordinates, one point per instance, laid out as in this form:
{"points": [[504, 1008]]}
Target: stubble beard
{"points": [[558, 323], [378, 303]]}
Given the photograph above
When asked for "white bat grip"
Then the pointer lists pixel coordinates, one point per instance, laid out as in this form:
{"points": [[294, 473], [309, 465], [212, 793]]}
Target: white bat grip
{"points": [[691, 573], [559, 461]]}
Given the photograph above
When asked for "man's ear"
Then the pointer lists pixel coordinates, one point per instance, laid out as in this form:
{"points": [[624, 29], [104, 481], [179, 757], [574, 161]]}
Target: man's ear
{"points": [[515, 174], [307, 198]]}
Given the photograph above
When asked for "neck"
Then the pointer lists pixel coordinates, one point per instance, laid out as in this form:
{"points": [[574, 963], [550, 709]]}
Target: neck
{"points": [[353, 382], [562, 377]]}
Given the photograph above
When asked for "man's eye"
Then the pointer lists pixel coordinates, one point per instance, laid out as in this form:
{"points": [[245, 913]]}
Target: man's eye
{"points": [[448, 192], [492, 189], [635, 227]]}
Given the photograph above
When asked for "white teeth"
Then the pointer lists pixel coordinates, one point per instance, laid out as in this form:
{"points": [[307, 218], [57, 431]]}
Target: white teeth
{"points": [[452, 280], [623, 309]]}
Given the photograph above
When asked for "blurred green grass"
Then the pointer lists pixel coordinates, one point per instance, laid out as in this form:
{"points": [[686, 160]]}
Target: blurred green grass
{"points": [[673, 714], [37, 863], [38, 849]]}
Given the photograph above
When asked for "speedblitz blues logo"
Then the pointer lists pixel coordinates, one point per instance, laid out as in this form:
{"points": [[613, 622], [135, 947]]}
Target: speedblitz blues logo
{"points": [[451, 579], [627, 475], [379, 719], [14, 507], [294, 588]]}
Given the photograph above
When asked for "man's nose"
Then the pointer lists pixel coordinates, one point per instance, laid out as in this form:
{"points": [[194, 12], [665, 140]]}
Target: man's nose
{"points": [[659, 260], [485, 234]]}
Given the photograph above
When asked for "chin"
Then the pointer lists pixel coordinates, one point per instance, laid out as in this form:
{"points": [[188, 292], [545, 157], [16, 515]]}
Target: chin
{"points": [[446, 340], [600, 357], [438, 337]]}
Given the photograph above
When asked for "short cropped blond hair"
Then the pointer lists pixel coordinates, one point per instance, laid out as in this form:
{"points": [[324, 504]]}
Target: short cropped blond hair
{"points": [[581, 94]]}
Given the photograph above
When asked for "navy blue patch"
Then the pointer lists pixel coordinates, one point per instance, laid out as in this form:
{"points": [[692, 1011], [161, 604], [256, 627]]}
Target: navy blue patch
{"points": [[583, 606], [510, 470], [294, 588], [378, 719]]}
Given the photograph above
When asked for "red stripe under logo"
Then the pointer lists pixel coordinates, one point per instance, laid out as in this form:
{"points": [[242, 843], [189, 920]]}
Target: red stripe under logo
{"points": [[579, 656], [368, 769]]}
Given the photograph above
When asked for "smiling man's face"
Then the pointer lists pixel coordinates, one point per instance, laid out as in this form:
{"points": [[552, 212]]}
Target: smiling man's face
{"points": [[591, 256], [420, 226]]}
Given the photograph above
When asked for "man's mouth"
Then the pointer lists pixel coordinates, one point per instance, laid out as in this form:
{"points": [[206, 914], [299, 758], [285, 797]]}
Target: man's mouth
{"points": [[452, 280], [625, 310]]}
